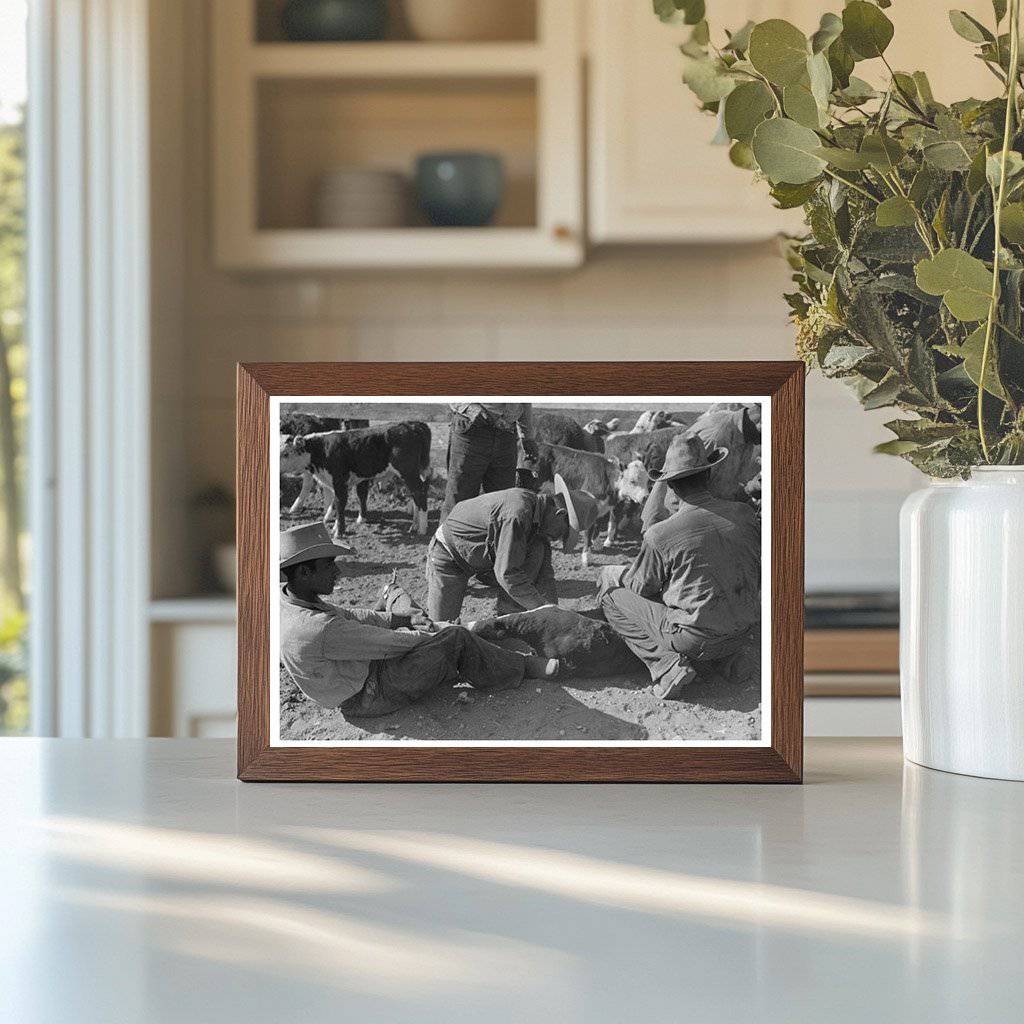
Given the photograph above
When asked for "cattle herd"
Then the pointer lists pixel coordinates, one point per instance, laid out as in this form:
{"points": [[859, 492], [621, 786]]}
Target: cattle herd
{"points": [[613, 465]]}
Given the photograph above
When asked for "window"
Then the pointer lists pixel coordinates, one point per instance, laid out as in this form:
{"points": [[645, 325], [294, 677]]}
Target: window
{"points": [[14, 694]]}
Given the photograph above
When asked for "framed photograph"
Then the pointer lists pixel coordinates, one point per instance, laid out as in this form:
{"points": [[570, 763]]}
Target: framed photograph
{"points": [[520, 571]]}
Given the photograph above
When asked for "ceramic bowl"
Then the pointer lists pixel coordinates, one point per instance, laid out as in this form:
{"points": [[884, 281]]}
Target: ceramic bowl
{"points": [[471, 20], [459, 189], [332, 21]]}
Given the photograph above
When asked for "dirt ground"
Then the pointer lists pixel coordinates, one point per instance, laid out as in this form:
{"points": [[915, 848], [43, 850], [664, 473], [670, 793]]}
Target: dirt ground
{"points": [[572, 710]]}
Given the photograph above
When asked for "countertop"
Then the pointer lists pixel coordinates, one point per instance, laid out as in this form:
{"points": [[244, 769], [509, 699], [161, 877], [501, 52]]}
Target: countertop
{"points": [[140, 882]]}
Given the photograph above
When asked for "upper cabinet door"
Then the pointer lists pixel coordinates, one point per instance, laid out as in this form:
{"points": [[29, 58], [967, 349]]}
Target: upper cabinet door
{"points": [[654, 175]]}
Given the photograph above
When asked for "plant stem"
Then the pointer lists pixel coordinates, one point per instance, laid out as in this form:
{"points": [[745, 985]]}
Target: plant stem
{"points": [[1011, 108], [853, 185]]}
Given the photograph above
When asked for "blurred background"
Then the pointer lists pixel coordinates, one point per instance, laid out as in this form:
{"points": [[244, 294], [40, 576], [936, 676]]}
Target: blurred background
{"points": [[361, 180]]}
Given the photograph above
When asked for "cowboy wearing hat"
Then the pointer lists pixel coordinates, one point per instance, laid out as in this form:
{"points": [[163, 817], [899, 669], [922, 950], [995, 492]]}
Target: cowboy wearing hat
{"points": [[694, 592], [356, 660], [506, 537]]}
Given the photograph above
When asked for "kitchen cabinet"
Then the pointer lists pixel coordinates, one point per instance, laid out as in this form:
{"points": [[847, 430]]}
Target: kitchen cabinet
{"points": [[654, 177], [288, 114]]}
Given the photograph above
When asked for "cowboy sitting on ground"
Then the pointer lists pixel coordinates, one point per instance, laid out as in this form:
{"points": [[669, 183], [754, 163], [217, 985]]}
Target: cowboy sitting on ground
{"points": [[694, 592], [504, 537], [356, 660]]}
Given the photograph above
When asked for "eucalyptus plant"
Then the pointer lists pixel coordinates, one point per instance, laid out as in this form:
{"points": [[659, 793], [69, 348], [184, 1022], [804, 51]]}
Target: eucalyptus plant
{"points": [[902, 289]]}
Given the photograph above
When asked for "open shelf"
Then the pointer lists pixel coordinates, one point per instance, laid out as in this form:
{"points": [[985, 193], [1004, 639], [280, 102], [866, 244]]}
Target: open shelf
{"points": [[392, 60]]}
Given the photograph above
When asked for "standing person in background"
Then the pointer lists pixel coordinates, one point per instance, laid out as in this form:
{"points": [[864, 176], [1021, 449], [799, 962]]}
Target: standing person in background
{"points": [[483, 448]]}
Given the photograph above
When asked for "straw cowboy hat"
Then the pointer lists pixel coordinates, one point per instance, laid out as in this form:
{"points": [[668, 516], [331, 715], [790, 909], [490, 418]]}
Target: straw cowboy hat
{"points": [[304, 543], [581, 508], [686, 457]]}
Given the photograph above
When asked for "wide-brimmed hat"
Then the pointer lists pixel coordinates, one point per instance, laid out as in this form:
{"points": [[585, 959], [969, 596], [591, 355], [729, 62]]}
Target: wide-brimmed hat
{"points": [[687, 456], [304, 543], [581, 508]]}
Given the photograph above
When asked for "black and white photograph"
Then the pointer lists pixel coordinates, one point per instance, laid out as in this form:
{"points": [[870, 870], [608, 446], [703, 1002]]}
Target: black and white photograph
{"points": [[478, 570]]}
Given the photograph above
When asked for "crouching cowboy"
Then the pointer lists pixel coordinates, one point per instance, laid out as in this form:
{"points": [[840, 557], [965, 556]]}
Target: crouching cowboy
{"points": [[355, 659], [694, 592]]}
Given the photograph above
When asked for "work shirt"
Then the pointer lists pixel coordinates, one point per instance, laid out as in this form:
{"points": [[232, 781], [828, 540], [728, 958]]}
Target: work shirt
{"points": [[503, 415], [499, 531], [328, 649], [704, 563]]}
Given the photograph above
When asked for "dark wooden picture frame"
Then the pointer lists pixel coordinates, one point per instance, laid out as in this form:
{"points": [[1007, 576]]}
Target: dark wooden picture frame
{"points": [[779, 761]]}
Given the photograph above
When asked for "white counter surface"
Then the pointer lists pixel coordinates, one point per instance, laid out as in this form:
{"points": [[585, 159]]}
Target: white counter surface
{"points": [[140, 882]]}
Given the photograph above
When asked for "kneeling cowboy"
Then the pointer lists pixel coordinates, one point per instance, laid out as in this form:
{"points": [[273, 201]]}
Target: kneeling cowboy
{"points": [[505, 537], [694, 592], [361, 661]]}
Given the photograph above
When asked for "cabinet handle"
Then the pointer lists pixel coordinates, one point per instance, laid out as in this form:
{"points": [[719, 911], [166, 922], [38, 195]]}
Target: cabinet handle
{"points": [[562, 232]]}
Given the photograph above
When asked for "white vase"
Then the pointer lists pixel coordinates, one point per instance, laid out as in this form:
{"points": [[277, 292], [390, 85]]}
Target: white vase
{"points": [[962, 624]]}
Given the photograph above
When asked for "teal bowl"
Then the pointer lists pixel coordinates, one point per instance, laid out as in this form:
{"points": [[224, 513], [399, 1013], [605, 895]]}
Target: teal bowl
{"points": [[461, 190], [334, 21]]}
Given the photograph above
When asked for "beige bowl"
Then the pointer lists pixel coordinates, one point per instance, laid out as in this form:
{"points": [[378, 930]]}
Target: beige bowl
{"points": [[362, 198], [471, 20]]}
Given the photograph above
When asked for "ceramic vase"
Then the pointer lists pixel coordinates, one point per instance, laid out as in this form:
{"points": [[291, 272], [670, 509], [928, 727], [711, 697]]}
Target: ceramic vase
{"points": [[962, 624]]}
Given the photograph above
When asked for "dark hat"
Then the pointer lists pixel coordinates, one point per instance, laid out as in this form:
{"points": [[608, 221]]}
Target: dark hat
{"points": [[687, 456]]}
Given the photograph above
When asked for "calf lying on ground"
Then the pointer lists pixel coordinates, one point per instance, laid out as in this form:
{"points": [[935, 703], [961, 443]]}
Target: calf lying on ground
{"points": [[585, 643], [612, 484], [307, 423], [334, 456]]}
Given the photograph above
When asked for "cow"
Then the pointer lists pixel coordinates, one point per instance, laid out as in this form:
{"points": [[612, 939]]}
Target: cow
{"points": [[557, 428], [585, 644], [650, 447], [739, 430], [654, 419], [334, 456], [307, 423], [613, 485]]}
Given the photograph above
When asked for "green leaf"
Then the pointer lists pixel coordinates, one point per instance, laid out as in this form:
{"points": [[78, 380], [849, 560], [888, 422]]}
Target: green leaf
{"points": [[924, 88], [947, 156], [923, 431], [801, 106], [882, 151], [999, 9], [745, 108], [895, 212], [707, 78], [739, 41], [922, 185], [841, 63], [866, 29], [819, 75], [788, 196], [963, 281], [844, 159], [857, 91], [885, 394], [971, 351], [969, 28], [976, 173], [786, 151], [829, 30], [779, 51], [741, 155], [1012, 224], [689, 12], [993, 167], [895, 447]]}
